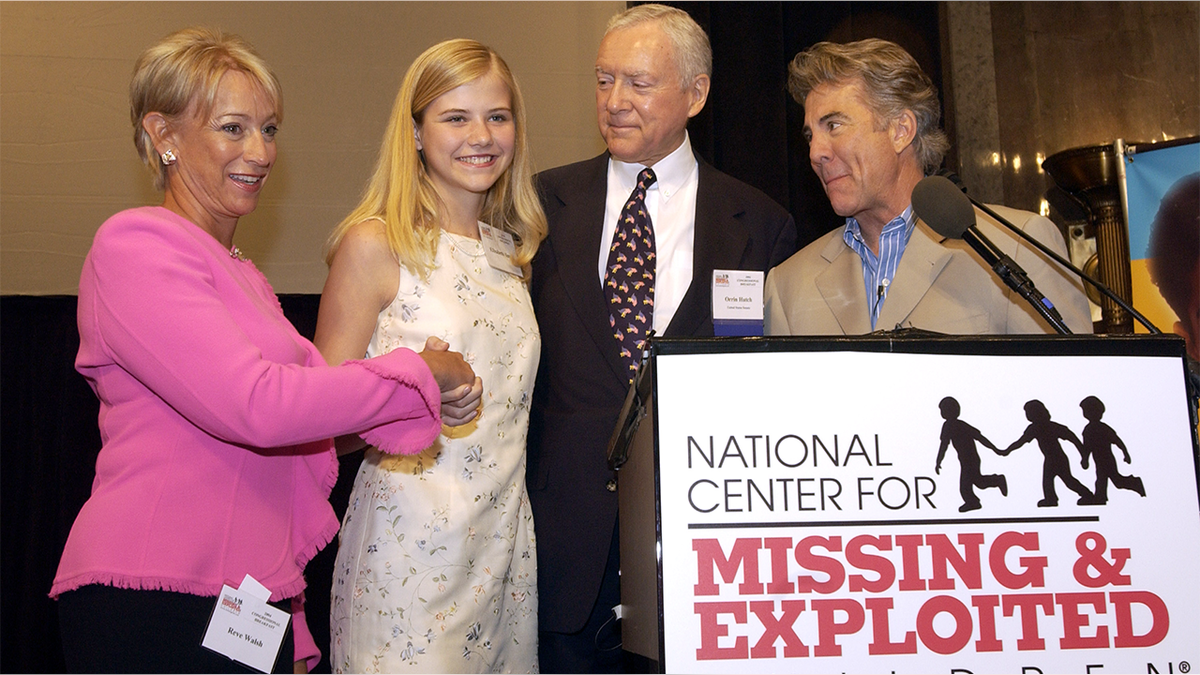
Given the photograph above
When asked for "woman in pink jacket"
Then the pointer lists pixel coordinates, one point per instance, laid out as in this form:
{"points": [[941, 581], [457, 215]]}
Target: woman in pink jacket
{"points": [[215, 414]]}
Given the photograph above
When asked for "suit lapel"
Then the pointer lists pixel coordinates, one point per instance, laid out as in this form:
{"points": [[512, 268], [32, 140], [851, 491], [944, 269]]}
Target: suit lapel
{"points": [[923, 260], [719, 242], [841, 286], [577, 248]]}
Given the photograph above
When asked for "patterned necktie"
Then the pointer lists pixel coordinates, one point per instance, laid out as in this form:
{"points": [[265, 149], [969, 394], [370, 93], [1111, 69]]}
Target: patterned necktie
{"points": [[629, 281]]}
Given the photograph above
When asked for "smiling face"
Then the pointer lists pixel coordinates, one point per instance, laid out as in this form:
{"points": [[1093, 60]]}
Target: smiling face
{"points": [[867, 172], [641, 107], [224, 156], [467, 137]]}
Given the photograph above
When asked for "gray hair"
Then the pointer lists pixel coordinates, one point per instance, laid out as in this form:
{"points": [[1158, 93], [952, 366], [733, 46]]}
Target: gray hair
{"points": [[893, 83], [693, 53]]}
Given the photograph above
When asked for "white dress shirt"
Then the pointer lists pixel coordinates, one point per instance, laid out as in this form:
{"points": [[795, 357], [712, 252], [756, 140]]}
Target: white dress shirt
{"points": [[671, 203]]}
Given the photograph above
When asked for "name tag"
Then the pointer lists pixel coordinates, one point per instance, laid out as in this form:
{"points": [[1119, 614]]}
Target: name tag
{"points": [[245, 628], [737, 298], [499, 247]]}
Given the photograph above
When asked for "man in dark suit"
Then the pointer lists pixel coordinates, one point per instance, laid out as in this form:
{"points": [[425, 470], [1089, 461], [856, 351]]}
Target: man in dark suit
{"points": [[652, 70]]}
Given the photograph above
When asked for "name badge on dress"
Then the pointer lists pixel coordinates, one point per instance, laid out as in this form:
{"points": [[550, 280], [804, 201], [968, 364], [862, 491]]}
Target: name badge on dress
{"points": [[737, 298], [245, 628], [499, 247]]}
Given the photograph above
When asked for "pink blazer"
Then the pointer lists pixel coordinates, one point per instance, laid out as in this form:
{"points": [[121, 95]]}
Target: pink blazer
{"points": [[215, 417]]}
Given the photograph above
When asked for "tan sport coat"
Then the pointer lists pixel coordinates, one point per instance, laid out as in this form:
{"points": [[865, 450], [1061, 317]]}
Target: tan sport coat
{"points": [[941, 285]]}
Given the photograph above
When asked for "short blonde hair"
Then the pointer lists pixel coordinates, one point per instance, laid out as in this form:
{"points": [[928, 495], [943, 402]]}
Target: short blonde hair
{"points": [[693, 53], [180, 74], [400, 192], [892, 81]]}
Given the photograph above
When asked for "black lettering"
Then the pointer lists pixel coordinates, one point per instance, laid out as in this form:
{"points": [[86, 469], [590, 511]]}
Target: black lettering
{"points": [[692, 500], [737, 453], [708, 459], [856, 442], [768, 500]]}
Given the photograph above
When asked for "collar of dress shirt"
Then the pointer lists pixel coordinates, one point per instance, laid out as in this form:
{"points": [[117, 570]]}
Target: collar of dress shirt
{"points": [[879, 271], [670, 172], [898, 229]]}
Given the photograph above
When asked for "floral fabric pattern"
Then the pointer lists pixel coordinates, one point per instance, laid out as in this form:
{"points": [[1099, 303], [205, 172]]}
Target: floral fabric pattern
{"points": [[436, 567]]}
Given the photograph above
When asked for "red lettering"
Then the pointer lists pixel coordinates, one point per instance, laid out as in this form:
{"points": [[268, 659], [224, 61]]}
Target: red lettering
{"points": [[774, 628], [711, 630], [744, 556], [819, 563], [962, 624], [1033, 573], [1073, 621], [1030, 639], [828, 627], [779, 583], [1160, 619], [875, 563], [986, 608], [967, 565], [868, 562], [881, 633], [911, 564], [1090, 546]]}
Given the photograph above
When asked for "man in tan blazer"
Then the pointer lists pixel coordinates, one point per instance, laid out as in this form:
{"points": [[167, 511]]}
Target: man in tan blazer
{"points": [[871, 118]]}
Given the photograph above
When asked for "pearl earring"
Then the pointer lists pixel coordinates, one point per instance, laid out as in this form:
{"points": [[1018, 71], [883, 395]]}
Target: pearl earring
{"points": [[168, 157]]}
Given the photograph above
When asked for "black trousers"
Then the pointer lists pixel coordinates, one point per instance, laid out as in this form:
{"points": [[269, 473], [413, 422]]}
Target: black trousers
{"points": [[596, 648], [119, 630]]}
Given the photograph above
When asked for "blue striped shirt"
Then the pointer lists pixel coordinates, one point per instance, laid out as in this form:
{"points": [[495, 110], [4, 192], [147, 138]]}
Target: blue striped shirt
{"points": [[879, 271]]}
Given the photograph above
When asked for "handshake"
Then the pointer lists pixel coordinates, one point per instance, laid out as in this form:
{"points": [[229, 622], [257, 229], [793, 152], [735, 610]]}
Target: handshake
{"points": [[461, 389]]}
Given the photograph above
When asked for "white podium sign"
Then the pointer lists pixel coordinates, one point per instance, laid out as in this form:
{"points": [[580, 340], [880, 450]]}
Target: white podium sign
{"points": [[805, 528]]}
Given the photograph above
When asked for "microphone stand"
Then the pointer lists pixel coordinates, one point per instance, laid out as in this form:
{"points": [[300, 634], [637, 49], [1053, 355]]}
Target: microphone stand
{"points": [[1191, 367], [1056, 257], [1016, 279]]}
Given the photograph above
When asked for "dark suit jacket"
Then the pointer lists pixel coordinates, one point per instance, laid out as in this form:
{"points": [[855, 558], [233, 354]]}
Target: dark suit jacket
{"points": [[581, 381]]}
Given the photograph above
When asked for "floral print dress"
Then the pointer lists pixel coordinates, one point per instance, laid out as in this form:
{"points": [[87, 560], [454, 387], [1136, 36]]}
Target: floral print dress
{"points": [[436, 569]]}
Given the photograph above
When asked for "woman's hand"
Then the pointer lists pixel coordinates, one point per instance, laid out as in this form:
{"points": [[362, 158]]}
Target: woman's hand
{"points": [[461, 390], [462, 405]]}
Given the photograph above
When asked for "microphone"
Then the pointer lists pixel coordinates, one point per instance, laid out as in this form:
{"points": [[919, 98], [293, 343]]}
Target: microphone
{"points": [[1096, 283], [949, 212]]}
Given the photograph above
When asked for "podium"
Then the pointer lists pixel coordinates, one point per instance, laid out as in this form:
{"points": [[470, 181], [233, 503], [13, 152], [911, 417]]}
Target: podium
{"points": [[806, 505]]}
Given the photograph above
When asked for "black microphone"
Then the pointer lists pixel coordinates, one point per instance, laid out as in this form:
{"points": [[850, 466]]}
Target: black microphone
{"points": [[949, 212], [1050, 253]]}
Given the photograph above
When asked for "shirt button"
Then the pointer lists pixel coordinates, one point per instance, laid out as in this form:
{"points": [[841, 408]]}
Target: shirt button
{"points": [[611, 485]]}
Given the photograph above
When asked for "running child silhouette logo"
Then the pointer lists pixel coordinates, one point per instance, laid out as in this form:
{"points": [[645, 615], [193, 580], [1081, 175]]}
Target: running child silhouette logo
{"points": [[1048, 433], [1097, 445], [1098, 441], [963, 436]]}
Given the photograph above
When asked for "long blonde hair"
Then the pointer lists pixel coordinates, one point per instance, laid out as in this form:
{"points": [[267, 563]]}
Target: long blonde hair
{"points": [[400, 192]]}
